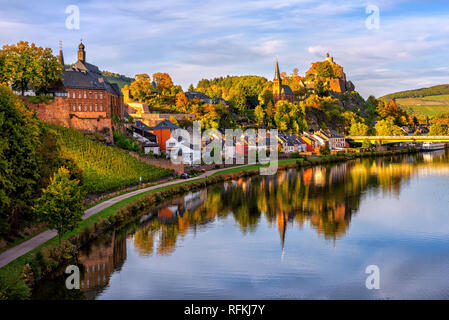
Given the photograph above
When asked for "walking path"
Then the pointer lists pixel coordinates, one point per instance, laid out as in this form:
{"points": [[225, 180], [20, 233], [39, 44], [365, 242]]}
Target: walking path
{"points": [[26, 246]]}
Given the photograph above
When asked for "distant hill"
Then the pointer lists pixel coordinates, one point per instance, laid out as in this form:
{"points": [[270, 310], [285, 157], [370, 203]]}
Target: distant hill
{"points": [[441, 89], [120, 79], [424, 102]]}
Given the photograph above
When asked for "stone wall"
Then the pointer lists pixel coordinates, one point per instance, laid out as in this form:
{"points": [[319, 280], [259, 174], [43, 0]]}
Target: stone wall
{"points": [[58, 112], [159, 162]]}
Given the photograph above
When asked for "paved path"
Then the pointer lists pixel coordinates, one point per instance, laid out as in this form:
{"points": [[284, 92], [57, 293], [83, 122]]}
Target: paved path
{"points": [[26, 246]]}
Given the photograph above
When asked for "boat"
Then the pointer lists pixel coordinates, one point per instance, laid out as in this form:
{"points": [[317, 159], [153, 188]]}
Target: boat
{"points": [[432, 146]]}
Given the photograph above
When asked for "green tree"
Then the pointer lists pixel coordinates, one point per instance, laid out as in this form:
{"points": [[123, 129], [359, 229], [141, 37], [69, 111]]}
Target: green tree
{"points": [[26, 67], [61, 203], [259, 114]]}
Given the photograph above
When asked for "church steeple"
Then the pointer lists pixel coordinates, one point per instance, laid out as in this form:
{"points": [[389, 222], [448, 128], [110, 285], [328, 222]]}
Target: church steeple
{"points": [[277, 83], [81, 52], [277, 74], [61, 56]]}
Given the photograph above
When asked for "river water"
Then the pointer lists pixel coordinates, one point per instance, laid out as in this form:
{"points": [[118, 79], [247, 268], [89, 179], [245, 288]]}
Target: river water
{"points": [[308, 233]]}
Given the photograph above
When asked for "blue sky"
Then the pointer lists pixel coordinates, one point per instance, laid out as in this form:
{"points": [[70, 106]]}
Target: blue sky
{"points": [[192, 40]]}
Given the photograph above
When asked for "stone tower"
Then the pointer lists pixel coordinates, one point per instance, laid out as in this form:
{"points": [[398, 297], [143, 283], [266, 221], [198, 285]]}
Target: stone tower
{"points": [[81, 52]]}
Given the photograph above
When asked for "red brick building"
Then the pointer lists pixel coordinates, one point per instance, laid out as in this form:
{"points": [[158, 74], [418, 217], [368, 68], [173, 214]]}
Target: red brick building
{"points": [[84, 100]]}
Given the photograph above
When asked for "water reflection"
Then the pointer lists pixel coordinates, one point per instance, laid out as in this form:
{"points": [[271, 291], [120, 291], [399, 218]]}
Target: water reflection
{"points": [[324, 199]]}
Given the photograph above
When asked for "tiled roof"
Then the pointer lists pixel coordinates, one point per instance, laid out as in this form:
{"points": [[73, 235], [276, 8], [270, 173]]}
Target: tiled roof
{"points": [[83, 75], [166, 124]]}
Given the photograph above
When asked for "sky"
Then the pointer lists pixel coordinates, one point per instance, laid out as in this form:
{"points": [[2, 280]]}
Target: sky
{"points": [[192, 40]]}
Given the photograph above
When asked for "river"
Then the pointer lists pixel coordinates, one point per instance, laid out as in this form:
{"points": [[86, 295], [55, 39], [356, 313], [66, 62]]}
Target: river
{"points": [[300, 234]]}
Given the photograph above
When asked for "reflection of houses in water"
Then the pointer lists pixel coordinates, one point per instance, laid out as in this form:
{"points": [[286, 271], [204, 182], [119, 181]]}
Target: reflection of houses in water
{"points": [[100, 261], [177, 207], [319, 176], [337, 172]]}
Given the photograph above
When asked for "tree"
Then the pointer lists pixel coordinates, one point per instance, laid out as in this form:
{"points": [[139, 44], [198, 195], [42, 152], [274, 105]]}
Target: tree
{"points": [[438, 130], [163, 82], [26, 67], [417, 132], [141, 87], [48, 71], [259, 114], [358, 129], [61, 203], [324, 149], [182, 102], [191, 88], [387, 127]]}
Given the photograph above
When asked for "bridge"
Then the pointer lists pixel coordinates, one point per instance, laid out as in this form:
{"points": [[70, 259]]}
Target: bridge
{"points": [[391, 139]]}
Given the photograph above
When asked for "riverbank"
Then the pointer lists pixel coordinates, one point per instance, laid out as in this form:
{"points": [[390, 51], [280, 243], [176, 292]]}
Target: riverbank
{"points": [[121, 212]]}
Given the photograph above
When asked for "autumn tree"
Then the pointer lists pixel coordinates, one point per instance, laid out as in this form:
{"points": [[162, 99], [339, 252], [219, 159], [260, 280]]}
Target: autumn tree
{"points": [[141, 88], [358, 129], [26, 67], [61, 203], [387, 127], [438, 130], [163, 82], [182, 102]]}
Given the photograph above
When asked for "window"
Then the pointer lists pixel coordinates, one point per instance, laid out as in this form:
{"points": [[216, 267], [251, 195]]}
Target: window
{"points": [[90, 107], [96, 95], [79, 94], [101, 107], [73, 95], [79, 107], [96, 107], [85, 107], [74, 107], [101, 95], [90, 95], [85, 95]]}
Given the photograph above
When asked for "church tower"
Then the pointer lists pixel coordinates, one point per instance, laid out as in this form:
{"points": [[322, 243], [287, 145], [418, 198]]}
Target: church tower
{"points": [[81, 52], [277, 83]]}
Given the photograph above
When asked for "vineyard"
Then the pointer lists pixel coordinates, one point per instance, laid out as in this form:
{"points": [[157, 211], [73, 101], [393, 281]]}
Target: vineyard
{"points": [[105, 168]]}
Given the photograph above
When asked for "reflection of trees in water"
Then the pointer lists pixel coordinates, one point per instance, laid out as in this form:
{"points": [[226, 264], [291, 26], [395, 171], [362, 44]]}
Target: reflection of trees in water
{"points": [[324, 196]]}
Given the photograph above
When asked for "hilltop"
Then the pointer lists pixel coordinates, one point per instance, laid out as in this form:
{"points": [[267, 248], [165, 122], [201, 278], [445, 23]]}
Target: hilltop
{"points": [[120, 79], [441, 89]]}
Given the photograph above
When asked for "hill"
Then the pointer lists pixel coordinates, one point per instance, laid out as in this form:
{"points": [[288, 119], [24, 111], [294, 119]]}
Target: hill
{"points": [[424, 102], [120, 79], [104, 168], [442, 89]]}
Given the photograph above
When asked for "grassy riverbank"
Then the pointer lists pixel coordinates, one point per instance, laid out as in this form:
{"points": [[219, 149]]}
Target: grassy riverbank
{"points": [[128, 209]]}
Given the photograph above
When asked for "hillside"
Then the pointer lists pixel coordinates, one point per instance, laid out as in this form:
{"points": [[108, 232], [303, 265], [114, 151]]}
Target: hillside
{"points": [[442, 89], [120, 79], [105, 168]]}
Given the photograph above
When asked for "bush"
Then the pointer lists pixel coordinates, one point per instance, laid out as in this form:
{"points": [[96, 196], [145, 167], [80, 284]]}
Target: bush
{"points": [[125, 143], [13, 287]]}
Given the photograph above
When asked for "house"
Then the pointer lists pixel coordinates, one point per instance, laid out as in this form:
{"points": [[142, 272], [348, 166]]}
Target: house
{"points": [[288, 142], [163, 131], [145, 137], [205, 98], [311, 142], [189, 156], [335, 139]]}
